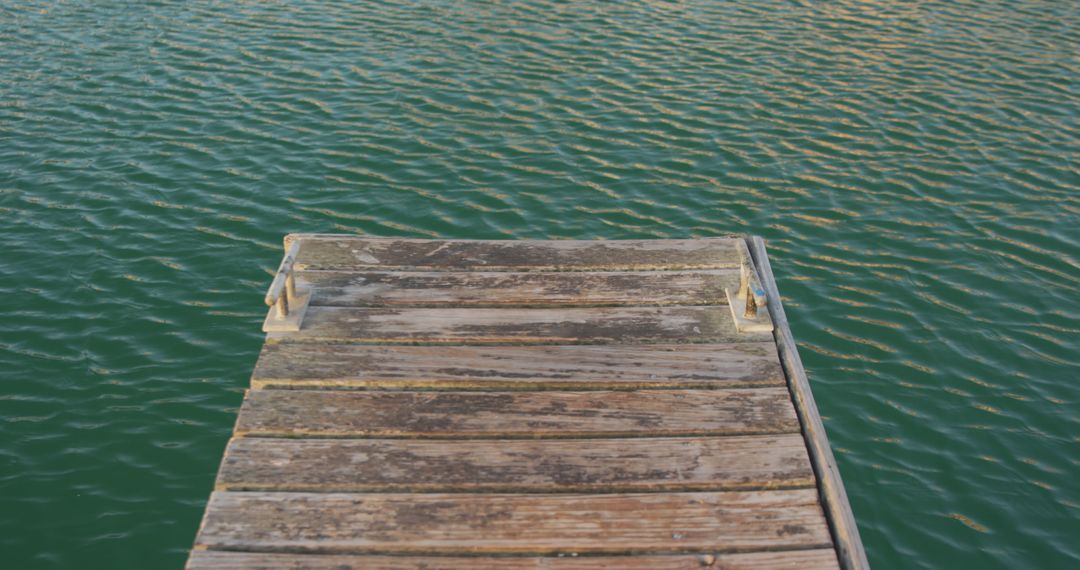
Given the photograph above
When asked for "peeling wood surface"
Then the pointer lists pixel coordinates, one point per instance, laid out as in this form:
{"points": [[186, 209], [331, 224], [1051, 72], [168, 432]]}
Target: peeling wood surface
{"points": [[513, 523], [687, 324], [819, 559], [602, 465], [652, 413], [352, 253], [487, 404], [740, 364], [491, 288]]}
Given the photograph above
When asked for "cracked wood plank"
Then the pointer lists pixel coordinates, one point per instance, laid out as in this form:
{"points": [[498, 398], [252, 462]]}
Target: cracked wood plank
{"points": [[301, 365], [489, 289], [560, 465], [331, 252], [688, 324], [461, 523], [648, 413], [818, 559]]}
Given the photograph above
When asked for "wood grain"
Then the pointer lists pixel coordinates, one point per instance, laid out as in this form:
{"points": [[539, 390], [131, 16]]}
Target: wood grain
{"points": [[551, 326], [349, 253], [648, 413], [819, 559], [601, 465], [513, 404], [298, 365], [537, 289], [513, 523]]}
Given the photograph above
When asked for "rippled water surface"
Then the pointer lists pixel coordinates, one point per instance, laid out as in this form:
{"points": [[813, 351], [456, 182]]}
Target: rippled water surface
{"points": [[912, 165]]}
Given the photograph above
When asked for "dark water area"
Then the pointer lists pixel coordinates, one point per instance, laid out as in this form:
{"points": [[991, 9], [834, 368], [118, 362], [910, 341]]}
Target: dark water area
{"points": [[913, 166]]}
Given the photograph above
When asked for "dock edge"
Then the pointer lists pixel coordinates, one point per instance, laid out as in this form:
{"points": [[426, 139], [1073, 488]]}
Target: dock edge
{"points": [[841, 519]]}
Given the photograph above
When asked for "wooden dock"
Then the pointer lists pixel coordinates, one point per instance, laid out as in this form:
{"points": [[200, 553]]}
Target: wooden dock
{"points": [[428, 404]]}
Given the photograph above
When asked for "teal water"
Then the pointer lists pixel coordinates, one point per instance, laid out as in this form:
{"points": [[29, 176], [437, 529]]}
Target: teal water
{"points": [[914, 167]]}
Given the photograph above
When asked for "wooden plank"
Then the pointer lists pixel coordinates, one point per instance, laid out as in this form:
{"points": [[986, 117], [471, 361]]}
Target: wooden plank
{"points": [[505, 288], [849, 545], [350, 253], [649, 413], [302, 365], [460, 523], [818, 559], [598, 465], [552, 326]]}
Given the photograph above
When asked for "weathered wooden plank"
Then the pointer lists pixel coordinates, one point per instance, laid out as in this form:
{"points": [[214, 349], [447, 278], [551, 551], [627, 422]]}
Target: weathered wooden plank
{"points": [[302, 365], [495, 288], [849, 545], [818, 559], [597, 465], [552, 326], [343, 252], [649, 413], [513, 523]]}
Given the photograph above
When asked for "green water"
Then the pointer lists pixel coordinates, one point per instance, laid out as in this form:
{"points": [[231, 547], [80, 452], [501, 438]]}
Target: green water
{"points": [[914, 167]]}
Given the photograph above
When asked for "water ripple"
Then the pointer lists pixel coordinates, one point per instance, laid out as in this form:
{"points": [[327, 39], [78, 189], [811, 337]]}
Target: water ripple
{"points": [[913, 165]]}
